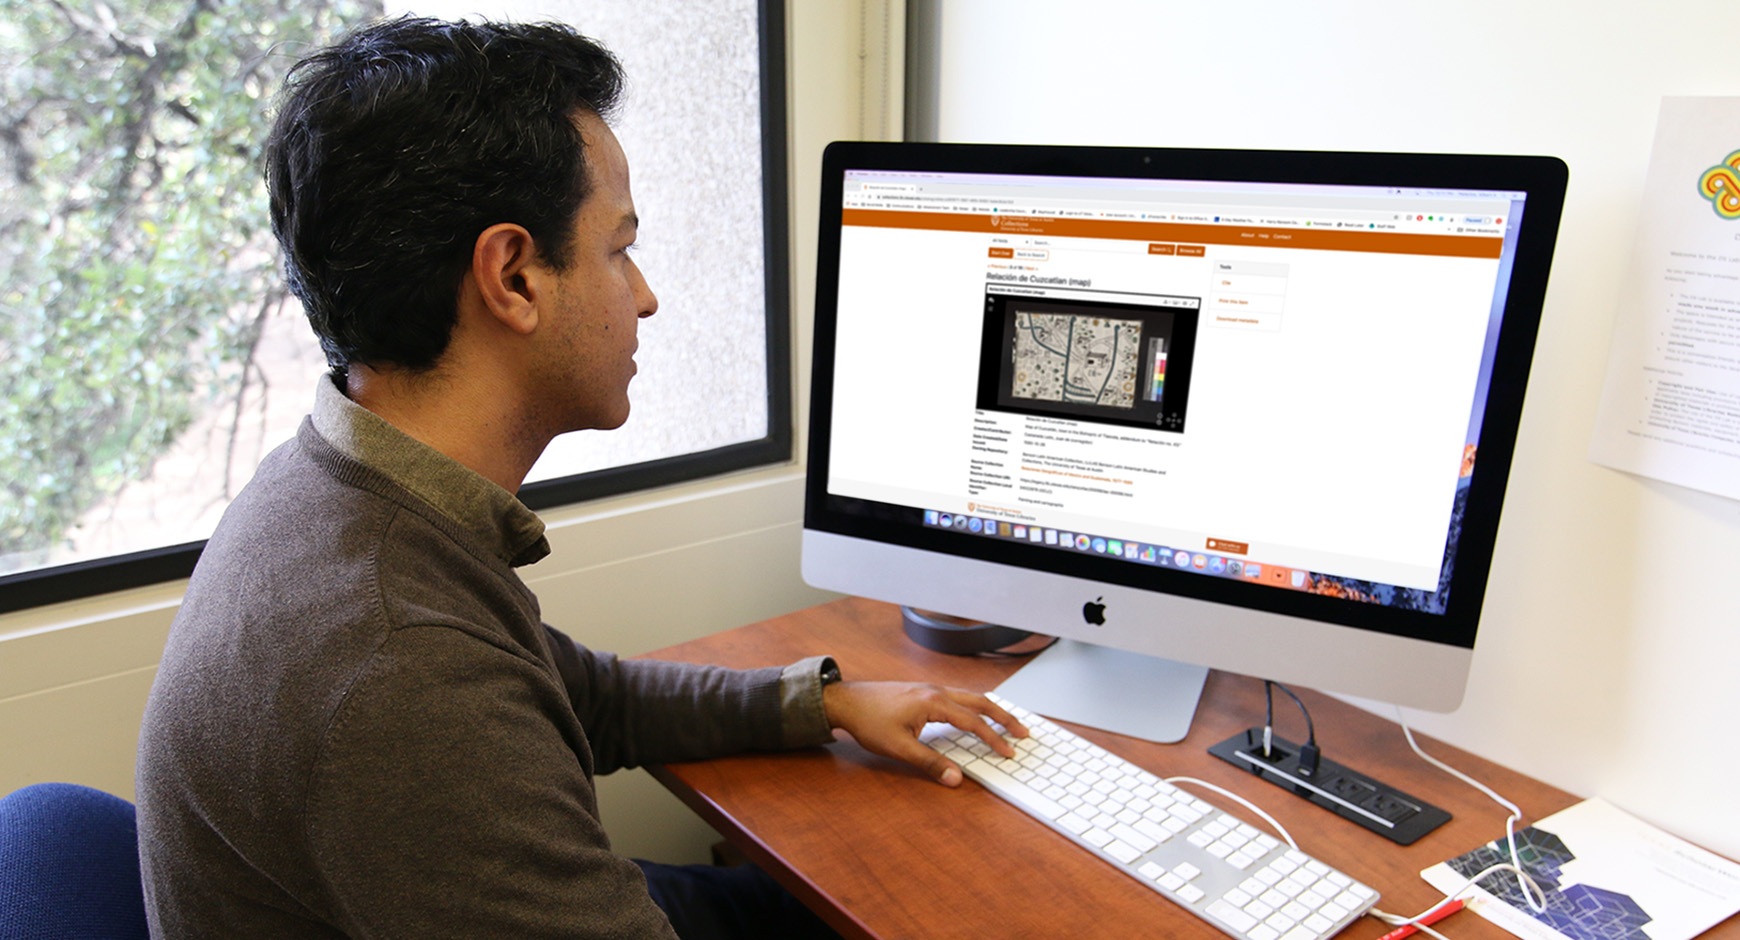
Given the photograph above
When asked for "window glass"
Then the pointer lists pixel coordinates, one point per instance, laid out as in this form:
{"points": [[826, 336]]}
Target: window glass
{"points": [[149, 353]]}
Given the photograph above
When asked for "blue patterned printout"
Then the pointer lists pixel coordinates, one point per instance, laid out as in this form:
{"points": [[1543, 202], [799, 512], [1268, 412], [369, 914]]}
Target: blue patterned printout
{"points": [[1606, 876]]}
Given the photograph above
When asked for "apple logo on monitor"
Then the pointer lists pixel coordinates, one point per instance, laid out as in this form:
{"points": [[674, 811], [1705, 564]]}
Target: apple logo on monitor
{"points": [[1094, 612]]}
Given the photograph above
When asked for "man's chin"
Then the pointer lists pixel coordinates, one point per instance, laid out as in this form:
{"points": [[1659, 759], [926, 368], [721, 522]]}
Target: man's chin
{"points": [[611, 422]]}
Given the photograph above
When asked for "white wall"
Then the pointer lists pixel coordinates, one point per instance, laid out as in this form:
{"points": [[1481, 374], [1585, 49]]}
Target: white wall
{"points": [[1608, 648], [629, 574]]}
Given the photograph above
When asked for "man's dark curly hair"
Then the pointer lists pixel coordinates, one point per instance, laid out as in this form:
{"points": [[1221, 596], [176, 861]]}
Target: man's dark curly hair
{"points": [[394, 148]]}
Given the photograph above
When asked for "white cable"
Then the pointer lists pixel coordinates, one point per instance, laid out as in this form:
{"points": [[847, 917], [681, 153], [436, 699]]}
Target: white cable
{"points": [[1247, 803], [1523, 880], [1398, 920]]}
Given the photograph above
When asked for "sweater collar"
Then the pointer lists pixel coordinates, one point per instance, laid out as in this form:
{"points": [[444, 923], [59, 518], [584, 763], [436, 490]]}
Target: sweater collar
{"points": [[475, 504]]}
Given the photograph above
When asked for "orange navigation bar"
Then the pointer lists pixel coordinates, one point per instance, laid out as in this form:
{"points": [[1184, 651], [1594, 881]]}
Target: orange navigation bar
{"points": [[1395, 243]]}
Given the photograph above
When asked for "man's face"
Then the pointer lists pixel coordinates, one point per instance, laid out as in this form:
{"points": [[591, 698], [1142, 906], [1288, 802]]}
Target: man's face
{"points": [[586, 367]]}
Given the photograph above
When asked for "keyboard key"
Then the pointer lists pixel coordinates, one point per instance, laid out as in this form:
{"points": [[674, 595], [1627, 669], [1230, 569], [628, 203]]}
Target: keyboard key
{"points": [[1158, 833], [1231, 916], [1122, 851], [1135, 838], [1241, 860], [1011, 790]]}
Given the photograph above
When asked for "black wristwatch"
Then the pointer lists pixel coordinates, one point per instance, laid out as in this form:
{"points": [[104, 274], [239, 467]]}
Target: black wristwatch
{"points": [[830, 672]]}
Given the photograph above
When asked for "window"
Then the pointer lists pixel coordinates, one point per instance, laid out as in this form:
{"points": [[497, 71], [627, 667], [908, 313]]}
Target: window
{"points": [[150, 356]]}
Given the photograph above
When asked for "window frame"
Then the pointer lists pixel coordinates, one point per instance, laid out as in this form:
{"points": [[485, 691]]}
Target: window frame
{"points": [[92, 577]]}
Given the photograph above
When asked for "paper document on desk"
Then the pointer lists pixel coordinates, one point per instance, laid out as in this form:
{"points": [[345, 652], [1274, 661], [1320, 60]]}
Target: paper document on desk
{"points": [[1607, 876]]}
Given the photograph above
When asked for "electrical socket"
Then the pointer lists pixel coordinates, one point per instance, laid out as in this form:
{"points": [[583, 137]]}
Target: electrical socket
{"points": [[1391, 807], [1352, 790]]}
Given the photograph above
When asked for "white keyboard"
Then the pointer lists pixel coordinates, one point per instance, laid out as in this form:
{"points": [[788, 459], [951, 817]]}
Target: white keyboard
{"points": [[1225, 871]]}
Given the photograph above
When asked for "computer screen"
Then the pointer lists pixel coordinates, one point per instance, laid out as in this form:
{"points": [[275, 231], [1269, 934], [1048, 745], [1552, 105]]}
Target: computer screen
{"points": [[1250, 410]]}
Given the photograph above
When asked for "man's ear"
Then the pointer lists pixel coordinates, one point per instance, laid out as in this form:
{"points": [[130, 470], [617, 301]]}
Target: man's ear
{"points": [[510, 281]]}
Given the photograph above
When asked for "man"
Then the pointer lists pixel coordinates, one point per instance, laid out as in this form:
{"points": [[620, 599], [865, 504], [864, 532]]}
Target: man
{"points": [[361, 727]]}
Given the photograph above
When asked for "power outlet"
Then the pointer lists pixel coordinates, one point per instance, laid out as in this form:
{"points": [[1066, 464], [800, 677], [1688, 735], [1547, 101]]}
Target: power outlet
{"points": [[1343, 791], [1391, 807], [1348, 788]]}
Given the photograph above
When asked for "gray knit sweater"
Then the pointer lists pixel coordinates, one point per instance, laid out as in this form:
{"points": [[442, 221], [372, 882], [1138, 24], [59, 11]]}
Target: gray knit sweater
{"points": [[362, 728]]}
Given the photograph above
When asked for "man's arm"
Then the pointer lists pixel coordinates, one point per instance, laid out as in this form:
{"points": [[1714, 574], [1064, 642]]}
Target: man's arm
{"points": [[648, 711], [451, 800]]}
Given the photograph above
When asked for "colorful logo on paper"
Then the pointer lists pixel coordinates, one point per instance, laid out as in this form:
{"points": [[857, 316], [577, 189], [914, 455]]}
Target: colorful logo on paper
{"points": [[1721, 185]]}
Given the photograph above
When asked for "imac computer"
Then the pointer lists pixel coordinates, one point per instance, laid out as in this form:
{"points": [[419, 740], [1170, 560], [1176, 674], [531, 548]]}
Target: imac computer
{"points": [[1247, 410]]}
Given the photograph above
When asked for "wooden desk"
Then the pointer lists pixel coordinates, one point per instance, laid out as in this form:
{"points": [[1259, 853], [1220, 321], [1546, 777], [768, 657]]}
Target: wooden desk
{"points": [[883, 852]]}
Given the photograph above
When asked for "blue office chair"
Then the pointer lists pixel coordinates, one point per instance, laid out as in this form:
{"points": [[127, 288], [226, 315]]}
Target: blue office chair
{"points": [[69, 865]]}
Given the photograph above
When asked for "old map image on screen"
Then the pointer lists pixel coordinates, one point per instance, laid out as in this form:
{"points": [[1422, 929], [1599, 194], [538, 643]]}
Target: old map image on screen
{"points": [[1122, 360], [1076, 358]]}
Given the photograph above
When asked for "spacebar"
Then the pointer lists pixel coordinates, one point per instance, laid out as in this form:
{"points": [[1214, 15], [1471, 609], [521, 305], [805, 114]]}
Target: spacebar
{"points": [[1014, 790]]}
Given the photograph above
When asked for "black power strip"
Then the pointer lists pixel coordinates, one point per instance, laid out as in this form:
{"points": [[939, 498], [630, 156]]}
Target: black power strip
{"points": [[1383, 809]]}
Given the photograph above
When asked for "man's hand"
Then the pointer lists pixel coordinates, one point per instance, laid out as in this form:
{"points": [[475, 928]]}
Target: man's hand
{"points": [[886, 717]]}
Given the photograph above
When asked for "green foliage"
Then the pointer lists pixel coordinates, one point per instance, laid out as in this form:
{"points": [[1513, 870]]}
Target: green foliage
{"points": [[136, 258]]}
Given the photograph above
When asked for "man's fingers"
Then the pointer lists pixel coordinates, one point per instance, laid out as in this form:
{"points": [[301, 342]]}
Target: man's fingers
{"points": [[968, 715], [1002, 717], [935, 766]]}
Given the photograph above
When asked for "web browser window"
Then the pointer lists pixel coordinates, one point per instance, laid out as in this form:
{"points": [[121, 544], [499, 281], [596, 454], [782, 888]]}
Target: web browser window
{"points": [[1248, 380]]}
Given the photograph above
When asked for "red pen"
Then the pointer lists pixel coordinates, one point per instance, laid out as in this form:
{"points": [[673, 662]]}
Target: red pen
{"points": [[1432, 918]]}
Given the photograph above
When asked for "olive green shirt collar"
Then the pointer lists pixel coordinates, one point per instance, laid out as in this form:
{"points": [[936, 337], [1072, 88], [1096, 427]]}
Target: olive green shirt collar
{"points": [[493, 515]]}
